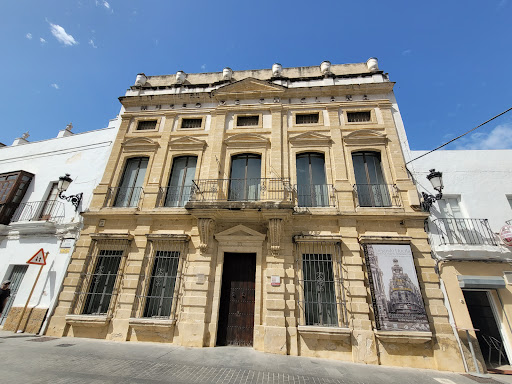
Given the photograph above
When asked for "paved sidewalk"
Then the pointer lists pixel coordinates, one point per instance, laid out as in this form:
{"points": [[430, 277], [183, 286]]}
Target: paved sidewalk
{"points": [[32, 359]]}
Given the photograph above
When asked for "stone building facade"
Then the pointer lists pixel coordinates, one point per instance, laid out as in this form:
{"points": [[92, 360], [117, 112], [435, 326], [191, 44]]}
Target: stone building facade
{"points": [[235, 209]]}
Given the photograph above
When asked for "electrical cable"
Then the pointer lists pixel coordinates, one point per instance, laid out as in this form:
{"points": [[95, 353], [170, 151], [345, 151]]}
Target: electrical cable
{"points": [[458, 137]]}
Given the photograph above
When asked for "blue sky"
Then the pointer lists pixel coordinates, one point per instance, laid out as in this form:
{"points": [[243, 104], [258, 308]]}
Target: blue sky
{"points": [[69, 61]]}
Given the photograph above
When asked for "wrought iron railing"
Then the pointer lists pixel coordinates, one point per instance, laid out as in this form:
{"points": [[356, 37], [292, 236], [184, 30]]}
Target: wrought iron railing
{"points": [[377, 195], [266, 189], [124, 197], [174, 196], [315, 195], [454, 231], [52, 211]]}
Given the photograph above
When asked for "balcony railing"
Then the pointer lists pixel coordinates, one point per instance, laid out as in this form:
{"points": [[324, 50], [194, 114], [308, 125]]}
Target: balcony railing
{"points": [[174, 196], [268, 189], [451, 231], [52, 211], [315, 195], [123, 197], [377, 195]]}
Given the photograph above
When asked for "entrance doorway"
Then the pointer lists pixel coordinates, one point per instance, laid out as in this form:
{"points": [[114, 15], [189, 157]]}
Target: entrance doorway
{"points": [[236, 310], [489, 336], [16, 277]]}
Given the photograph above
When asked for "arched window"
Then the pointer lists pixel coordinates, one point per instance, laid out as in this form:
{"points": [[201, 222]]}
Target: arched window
{"points": [[312, 188], [245, 177], [130, 189], [371, 187], [181, 181]]}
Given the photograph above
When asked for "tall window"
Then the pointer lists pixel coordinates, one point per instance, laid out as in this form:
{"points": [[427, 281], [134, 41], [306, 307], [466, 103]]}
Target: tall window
{"points": [[50, 205], [130, 190], [180, 182], [371, 188], [245, 177], [321, 283], [160, 276], [102, 283], [312, 190], [13, 186]]}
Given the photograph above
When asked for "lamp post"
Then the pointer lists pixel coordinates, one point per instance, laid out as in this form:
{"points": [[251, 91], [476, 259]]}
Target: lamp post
{"points": [[436, 179], [63, 185]]}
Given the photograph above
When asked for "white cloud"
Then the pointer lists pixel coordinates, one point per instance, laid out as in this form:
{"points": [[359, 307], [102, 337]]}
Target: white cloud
{"points": [[54, 86], [61, 35], [203, 67], [407, 52], [499, 138], [42, 40], [106, 4], [91, 43], [28, 36]]}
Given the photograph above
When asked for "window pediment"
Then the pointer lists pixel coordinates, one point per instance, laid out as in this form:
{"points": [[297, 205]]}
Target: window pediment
{"points": [[140, 144], [248, 87], [188, 142], [243, 140], [365, 137], [310, 138]]}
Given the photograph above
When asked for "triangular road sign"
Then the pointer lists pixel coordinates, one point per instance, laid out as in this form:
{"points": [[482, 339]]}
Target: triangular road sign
{"points": [[39, 258]]}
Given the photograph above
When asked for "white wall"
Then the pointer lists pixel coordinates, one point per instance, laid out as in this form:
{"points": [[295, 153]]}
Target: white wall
{"points": [[84, 157]]}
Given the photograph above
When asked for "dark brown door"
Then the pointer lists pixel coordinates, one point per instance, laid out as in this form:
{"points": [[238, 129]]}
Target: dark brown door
{"points": [[236, 312]]}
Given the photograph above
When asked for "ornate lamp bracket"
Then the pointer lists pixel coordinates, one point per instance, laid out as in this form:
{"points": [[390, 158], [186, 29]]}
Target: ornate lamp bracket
{"points": [[74, 199]]}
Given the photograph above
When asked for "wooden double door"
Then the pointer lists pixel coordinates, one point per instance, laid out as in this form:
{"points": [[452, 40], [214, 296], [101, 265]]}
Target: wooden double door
{"points": [[236, 311]]}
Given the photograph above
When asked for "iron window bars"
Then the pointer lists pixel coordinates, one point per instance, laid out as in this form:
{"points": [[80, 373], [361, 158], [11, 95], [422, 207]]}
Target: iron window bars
{"points": [[320, 281], [160, 277], [101, 277]]}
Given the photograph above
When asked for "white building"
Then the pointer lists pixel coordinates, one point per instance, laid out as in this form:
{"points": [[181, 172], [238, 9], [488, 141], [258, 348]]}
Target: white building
{"points": [[32, 216], [473, 262]]}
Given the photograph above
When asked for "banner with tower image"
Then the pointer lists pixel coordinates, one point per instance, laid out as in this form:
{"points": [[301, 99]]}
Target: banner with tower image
{"points": [[396, 294]]}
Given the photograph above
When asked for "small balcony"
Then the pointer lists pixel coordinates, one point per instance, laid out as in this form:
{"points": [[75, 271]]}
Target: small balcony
{"points": [[124, 197], [51, 211], [377, 195], [468, 239], [235, 191], [174, 197], [315, 195]]}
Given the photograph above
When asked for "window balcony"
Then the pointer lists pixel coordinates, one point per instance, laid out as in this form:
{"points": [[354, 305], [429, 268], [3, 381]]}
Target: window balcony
{"points": [[315, 195], [274, 190], [50, 211], [464, 239], [174, 196], [452, 231], [124, 197], [377, 195]]}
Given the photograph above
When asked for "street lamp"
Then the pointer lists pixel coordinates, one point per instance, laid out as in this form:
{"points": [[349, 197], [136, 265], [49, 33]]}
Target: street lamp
{"points": [[436, 179], [63, 185]]}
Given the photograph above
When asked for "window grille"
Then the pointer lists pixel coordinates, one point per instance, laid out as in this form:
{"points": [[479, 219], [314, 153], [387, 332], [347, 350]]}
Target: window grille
{"points": [[191, 123], [146, 125], [247, 121], [322, 295], [306, 118], [358, 117], [160, 277], [101, 277]]}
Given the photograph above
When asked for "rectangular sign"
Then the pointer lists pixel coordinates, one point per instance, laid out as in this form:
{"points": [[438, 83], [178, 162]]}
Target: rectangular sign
{"points": [[396, 293]]}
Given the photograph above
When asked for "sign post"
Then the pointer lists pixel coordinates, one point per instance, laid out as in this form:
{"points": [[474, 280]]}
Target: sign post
{"points": [[38, 259]]}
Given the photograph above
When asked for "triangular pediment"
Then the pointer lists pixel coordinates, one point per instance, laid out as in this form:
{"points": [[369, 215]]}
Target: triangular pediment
{"points": [[366, 137], [310, 138], [247, 140], [140, 144], [240, 233], [188, 142], [249, 86]]}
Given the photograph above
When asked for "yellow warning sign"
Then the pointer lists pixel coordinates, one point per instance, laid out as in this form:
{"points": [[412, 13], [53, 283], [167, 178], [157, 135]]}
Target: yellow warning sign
{"points": [[39, 258]]}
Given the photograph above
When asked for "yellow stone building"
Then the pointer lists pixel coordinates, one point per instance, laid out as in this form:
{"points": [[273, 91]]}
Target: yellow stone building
{"points": [[268, 208]]}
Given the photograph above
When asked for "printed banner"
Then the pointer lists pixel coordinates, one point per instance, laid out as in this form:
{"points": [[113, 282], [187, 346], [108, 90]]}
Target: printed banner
{"points": [[395, 289]]}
